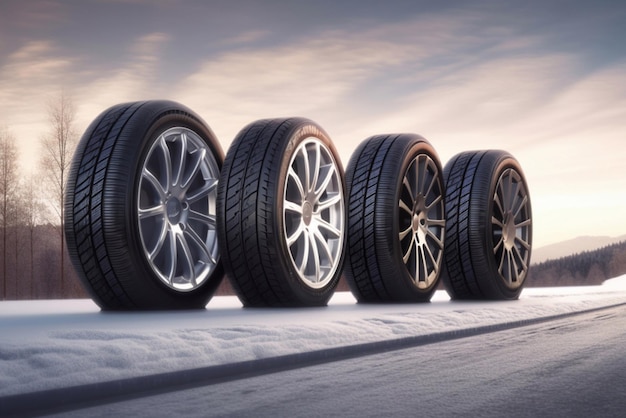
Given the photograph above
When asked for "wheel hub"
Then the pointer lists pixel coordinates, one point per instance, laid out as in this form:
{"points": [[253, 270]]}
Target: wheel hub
{"points": [[307, 212], [174, 210], [509, 231], [419, 220]]}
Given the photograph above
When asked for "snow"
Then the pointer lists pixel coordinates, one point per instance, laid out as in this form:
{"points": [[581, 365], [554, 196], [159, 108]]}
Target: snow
{"points": [[53, 344]]}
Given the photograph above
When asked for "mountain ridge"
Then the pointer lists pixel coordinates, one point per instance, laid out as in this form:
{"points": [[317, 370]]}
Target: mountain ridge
{"points": [[573, 246]]}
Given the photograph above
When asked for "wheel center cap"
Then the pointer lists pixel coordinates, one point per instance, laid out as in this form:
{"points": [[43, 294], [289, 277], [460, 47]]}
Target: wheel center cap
{"points": [[419, 221], [307, 212], [509, 231], [416, 222], [174, 210]]}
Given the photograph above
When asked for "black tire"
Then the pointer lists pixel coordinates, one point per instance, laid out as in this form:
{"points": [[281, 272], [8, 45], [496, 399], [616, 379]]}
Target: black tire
{"points": [[396, 219], [282, 242], [140, 206], [488, 227]]}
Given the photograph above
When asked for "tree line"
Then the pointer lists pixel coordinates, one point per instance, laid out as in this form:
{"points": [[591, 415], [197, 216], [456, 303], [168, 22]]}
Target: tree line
{"points": [[33, 257], [583, 269]]}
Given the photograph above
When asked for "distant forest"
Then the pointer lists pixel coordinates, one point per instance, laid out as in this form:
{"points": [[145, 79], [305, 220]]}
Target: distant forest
{"points": [[31, 265], [583, 269], [32, 268]]}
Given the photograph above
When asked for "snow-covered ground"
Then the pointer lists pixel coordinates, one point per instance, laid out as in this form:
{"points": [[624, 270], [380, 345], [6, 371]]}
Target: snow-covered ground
{"points": [[52, 344]]}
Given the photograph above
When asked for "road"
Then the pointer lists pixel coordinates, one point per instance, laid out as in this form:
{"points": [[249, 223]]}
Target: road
{"points": [[574, 367]]}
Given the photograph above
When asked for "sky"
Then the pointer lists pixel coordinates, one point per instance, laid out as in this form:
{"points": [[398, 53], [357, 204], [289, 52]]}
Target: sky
{"points": [[545, 80]]}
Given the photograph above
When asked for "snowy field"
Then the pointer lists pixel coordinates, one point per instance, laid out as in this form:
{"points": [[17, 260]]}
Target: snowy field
{"points": [[54, 344]]}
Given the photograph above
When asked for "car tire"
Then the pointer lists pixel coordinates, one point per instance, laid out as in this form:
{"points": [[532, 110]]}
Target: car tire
{"points": [[396, 219], [281, 215], [488, 226], [140, 208]]}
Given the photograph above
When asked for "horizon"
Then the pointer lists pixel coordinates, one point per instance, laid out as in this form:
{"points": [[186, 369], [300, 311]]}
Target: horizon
{"points": [[543, 80]]}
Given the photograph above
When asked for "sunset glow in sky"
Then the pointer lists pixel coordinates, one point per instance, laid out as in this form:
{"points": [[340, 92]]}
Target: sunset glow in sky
{"points": [[545, 80]]}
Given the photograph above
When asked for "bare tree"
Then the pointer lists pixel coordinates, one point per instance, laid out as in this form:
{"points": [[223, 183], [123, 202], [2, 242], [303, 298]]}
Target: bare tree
{"points": [[33, 210], [58, 146], [8, 189]]}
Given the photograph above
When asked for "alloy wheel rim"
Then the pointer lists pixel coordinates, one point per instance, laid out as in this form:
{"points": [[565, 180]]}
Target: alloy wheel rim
{"points": [[313, 213], [421, 221], [512, 228], [176, 209]]}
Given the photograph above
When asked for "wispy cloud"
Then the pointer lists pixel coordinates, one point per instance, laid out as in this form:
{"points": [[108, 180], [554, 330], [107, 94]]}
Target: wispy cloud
{"points": [[40, 69]]}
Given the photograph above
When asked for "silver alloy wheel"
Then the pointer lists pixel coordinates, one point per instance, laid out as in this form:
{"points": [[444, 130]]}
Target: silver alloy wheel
{"points": [[313, 213], [422, 223], [176, 209], [511, 224]]}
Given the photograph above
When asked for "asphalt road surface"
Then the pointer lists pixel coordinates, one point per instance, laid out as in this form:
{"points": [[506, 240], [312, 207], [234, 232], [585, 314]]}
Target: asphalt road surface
{"points": [[571, 367]]}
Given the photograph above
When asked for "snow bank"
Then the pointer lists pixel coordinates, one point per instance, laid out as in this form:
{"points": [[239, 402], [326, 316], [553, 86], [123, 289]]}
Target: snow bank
{"points": [[50, 344]]}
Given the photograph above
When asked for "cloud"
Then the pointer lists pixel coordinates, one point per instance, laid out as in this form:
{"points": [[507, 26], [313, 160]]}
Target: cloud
{"points": [[465, 79], [27, 77], [136, 79], [343, 77], [40, 69]]}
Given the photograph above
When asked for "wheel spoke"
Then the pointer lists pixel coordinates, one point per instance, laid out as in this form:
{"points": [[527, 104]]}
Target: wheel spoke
{"points": [[521, 206], [423, 263], [206, 190], [333, 199], [189, 260], [437, 201], [173, 258], [307, 170], [328, 175], [513, 269], [293, 207], [182, 157], [316, 169], [501, 265], [316, 257], [167, 161], [161, 240], [519, 257], [497, 222], [406, 232], [437, 223], [200, 245], [435, 238], [405, 208], [291, 239], [432, 259], [151, 178], [433, 182], [203, 218], [524, 243], [304, 254], [158, 210], [331, 229], [496, 247], [298, 182], [407, 254], [323, 245], [199, 159], [408, 188]]}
